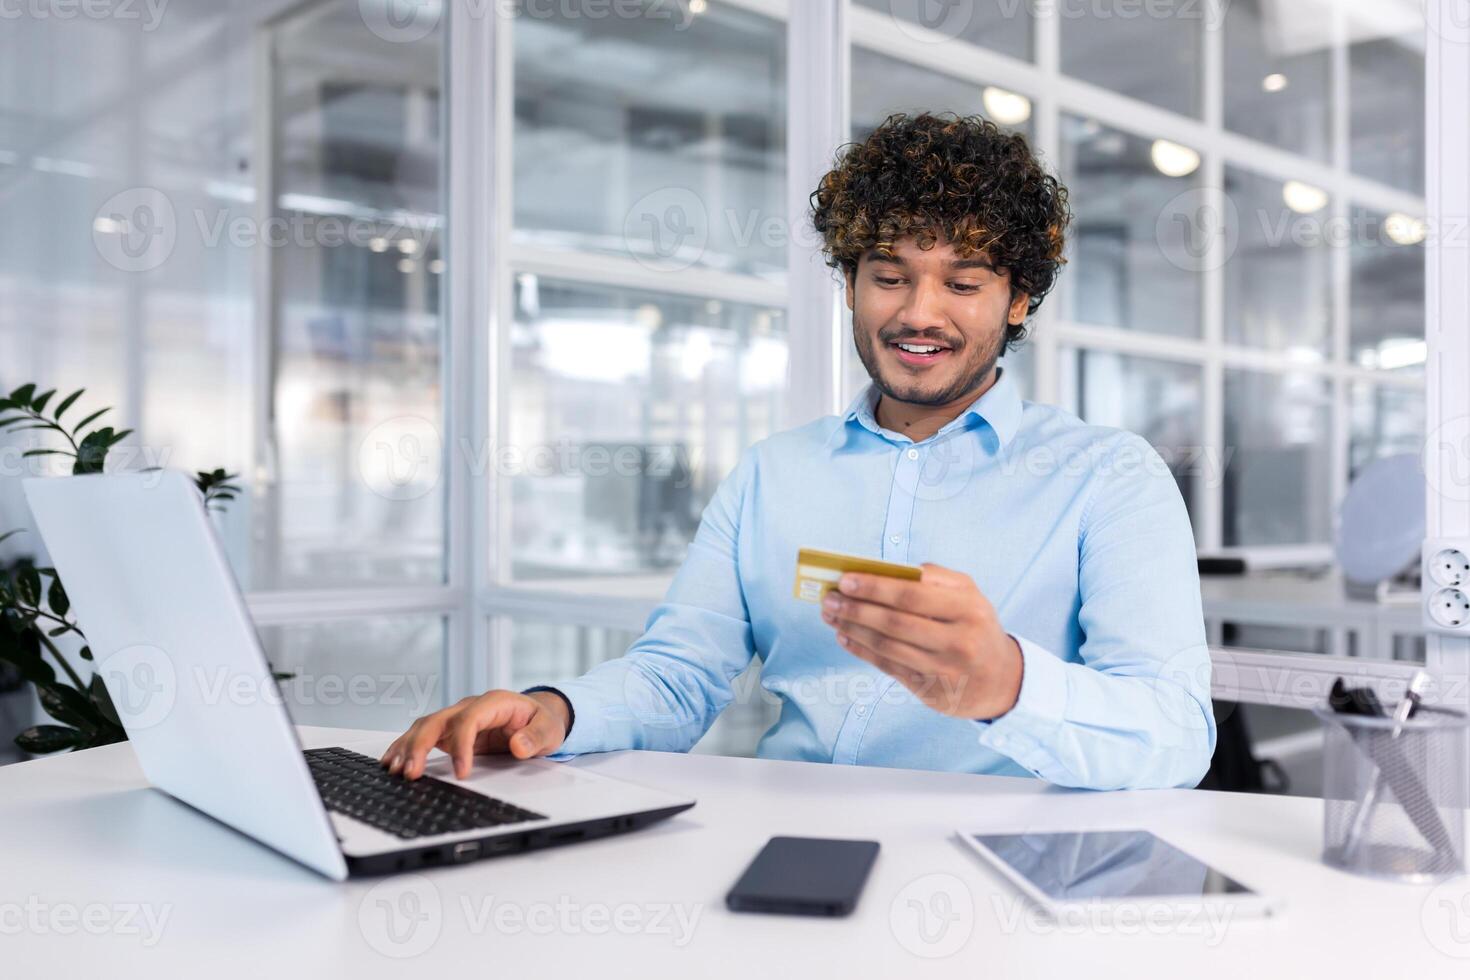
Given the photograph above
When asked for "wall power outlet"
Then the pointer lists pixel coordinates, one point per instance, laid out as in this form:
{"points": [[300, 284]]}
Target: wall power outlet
{"points": [[1446, 589]]}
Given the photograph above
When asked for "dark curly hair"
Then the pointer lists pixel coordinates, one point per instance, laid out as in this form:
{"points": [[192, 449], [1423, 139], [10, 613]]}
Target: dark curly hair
{"points": [[957, 179]]}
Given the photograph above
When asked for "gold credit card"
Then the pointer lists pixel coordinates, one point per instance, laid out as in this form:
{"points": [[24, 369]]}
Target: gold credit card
{"points": [[817, 572]]}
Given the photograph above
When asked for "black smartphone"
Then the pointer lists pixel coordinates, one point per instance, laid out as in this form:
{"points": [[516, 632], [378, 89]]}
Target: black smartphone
{"points": [[804, 876]]}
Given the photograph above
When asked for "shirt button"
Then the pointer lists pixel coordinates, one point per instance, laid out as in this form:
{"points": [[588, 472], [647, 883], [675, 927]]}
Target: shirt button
{"points": [[862, 709], [913, 454], [893, 538]]}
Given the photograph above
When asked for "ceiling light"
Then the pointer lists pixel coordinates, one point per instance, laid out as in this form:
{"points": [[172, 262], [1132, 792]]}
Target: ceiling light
{"points": [[1403, 229], [406, 266], [1274, 82], [1173, 160], [1395, 354], [407, 246], [1006, 108], [1303, 198], [378, 244]]}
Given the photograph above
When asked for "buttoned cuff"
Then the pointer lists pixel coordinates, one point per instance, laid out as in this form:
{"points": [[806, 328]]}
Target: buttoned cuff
{"points": [[571, 709], [1024, 732], [594, 711]]}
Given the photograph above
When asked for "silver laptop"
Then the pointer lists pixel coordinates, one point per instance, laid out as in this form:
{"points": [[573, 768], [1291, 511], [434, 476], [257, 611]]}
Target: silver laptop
{"points": [[175, 645]]}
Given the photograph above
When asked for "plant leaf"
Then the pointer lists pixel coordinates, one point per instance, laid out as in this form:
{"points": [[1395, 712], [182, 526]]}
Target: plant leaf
{"points": [[56, 596], [35, 670], [102, 700], [58, 631], [22, 395], [38, 404], [28, 581], [66, 704], [89, 419], [67, 403], [85, 653], [44, 452], [92, 452], [23, 649], [11, 534], [106, 735], [115, 438], [41, 739]]}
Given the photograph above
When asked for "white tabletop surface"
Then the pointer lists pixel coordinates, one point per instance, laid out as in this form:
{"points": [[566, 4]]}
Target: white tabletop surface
{"points": [[104, 877]]}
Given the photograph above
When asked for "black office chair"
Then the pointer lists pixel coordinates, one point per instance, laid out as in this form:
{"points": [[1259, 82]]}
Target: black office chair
{"points": [[1234, 766]]}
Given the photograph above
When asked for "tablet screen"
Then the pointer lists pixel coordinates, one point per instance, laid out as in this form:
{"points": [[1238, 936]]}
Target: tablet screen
{"points": [[1107, 864]]}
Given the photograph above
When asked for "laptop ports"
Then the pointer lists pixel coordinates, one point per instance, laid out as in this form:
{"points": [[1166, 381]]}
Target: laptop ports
{"points": [[467, 851]]}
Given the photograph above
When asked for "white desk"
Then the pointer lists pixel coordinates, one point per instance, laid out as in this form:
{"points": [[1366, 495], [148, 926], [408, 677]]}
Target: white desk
{"points": [[82, 830]]}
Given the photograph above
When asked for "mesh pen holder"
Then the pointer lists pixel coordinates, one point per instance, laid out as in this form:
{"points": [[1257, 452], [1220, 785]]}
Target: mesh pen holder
{"points": [[1394, 795]]}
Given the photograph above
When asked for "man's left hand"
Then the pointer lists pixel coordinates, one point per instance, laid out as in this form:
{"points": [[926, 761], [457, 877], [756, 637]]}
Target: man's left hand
{"points": [[938, 636]]}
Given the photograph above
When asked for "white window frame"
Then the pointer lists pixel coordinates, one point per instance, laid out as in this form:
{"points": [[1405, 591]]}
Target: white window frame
{"points": [[1447, 297]]}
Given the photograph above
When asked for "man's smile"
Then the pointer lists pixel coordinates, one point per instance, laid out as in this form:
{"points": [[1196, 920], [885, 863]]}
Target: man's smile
{"points": [[920, 353]]}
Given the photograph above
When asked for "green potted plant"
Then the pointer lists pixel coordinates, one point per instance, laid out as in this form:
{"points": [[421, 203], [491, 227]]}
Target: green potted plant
{"points": [[34, 610]]}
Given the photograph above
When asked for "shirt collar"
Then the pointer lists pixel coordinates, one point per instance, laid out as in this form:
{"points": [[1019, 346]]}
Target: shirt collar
{"points": [[1000, 408]]}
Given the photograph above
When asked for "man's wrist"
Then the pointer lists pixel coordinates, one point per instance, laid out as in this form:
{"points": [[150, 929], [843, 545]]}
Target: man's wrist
{"points": [[1011, 679], [558, 697]]}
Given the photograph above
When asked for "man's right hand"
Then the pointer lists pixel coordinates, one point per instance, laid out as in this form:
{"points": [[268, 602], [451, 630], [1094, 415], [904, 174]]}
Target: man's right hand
{"points": [[525, 725]]}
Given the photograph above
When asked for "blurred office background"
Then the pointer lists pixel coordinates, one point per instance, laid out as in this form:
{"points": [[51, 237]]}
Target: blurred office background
{"points": [[288, 316]]}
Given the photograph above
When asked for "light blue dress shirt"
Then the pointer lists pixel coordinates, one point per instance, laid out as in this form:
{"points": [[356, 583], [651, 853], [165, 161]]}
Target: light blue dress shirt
{"points": [[1076, 533]]}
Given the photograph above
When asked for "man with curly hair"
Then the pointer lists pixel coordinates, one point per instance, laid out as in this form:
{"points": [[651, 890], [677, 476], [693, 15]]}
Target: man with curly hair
{"points": [[1056, 629]]}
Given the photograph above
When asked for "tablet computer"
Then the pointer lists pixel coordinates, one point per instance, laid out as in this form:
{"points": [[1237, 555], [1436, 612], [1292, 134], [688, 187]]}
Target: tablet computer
{"points": [[1102, 871]]}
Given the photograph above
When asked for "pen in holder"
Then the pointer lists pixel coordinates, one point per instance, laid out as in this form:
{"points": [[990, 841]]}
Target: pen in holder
{"points": [[1394, 793]]}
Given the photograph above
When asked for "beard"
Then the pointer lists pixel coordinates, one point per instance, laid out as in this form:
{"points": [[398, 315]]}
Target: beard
{"points": [[976, 361]]}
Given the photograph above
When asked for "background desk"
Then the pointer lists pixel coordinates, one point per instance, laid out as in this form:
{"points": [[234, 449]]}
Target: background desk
{"points": [[1320, 603], [83, 829]]}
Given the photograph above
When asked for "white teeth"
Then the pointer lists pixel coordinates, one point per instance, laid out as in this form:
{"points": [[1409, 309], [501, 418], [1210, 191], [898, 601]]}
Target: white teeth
{"points": [[917, 349]]}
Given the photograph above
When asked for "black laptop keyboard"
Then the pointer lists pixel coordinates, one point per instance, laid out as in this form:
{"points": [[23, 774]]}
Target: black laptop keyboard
{"points": [[358, 786]]}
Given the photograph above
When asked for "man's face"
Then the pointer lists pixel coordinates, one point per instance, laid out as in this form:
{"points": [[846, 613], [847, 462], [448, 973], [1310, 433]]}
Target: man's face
{"points": [[948, 313]]}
